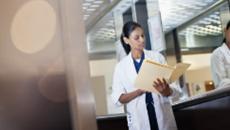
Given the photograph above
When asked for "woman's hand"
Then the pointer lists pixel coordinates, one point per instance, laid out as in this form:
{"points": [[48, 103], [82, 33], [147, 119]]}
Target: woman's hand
{"points": [[162, 86]]}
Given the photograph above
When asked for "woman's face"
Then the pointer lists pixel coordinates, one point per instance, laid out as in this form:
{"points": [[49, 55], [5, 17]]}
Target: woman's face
{"points": [[136, 40], [227, 36]]}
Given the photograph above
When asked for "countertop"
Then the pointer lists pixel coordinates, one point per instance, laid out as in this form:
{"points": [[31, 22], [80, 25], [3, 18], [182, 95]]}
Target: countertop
{"points": [[204, 97]]}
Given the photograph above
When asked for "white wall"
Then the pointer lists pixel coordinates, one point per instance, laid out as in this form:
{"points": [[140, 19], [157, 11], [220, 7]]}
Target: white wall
{"points": [[99, 92], [199, 71], [105, 68]]}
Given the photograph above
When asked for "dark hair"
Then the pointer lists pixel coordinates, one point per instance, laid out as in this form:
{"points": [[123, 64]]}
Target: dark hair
{"points": [[126, 31], [227, 27]]}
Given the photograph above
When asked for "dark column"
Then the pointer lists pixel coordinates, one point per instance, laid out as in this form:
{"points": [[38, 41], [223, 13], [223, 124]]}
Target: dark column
{"points": [[142, 19], [229, 5], [178, 53], [177, 46], [127, 16]]}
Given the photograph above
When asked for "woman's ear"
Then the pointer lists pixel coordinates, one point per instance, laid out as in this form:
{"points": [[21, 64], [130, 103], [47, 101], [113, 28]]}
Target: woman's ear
{"points": [[225, 32], [126, 40]]}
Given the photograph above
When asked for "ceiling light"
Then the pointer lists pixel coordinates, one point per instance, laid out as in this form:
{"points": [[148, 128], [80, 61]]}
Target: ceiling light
{"points": [[95, 6], [98, 2], [90, 9], [84, 8], [215, 16], [89, 0], [86, 4]]}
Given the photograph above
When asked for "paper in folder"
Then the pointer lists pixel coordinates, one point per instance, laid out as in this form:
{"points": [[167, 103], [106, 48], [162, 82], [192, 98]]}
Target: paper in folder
{"points": [[151, 70]]}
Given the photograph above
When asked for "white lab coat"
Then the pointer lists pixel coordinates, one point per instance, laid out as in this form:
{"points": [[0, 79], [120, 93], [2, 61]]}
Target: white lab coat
{"points": [[220, 66], [137, 116]]}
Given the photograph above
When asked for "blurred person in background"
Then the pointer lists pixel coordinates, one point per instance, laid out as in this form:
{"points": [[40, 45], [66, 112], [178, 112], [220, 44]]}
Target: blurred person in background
{"points": [[220, 61]]}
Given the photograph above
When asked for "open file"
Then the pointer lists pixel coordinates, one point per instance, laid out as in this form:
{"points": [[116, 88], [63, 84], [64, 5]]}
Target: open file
{"points": [[151, 70]]}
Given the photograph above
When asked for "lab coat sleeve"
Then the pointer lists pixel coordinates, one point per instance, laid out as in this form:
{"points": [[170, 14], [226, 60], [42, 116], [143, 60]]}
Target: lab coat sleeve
{"points": [[225, 83], [117, 87], [176, 92], [218, 71]]}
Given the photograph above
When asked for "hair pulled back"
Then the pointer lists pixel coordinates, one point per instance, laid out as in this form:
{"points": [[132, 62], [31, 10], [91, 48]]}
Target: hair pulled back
{"points": [[227, 27], [127, 29]]}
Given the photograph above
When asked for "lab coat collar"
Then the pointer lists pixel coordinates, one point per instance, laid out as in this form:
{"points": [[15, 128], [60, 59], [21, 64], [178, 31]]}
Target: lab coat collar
{"points": [[225, 49], [131, 69], [130, 54]]}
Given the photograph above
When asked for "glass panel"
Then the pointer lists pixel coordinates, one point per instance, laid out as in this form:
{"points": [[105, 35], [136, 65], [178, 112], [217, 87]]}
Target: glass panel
{"points": [[197, 42], [177, 12], [205, 33]]}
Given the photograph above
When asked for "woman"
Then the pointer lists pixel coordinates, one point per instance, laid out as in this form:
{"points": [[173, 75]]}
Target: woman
{"points": [[220, 61], [145, 110]]}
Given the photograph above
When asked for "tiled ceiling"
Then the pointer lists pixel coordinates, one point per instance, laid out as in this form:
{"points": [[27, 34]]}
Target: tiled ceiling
{"points": [[102, 36], [209, 25], [173, 13], [176, 12], [105, 30], [90, 6]]}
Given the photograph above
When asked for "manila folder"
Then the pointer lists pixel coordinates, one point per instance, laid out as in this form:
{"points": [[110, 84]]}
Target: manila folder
{"points": [[151, 70]]}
